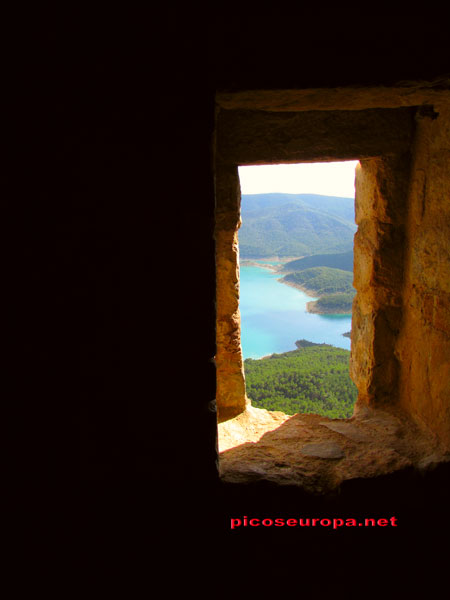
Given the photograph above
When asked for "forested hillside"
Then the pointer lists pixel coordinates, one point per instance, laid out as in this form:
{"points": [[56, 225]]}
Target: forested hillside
{"points": [[313, 379], [322, 280], [333, 286], [342, 261], [334, 303], [295, 225]]}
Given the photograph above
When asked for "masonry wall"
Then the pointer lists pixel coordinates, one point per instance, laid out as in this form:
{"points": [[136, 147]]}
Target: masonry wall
{"points": [[230, 386], [423, 347], [381, 208], [401, 246]]}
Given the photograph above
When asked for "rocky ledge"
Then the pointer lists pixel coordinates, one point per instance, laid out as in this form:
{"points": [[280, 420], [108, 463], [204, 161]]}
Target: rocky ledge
{"points": [[317, 453]]}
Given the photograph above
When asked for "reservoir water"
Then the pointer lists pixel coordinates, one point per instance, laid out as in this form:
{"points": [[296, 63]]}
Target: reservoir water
{"points": [[274, 316]]}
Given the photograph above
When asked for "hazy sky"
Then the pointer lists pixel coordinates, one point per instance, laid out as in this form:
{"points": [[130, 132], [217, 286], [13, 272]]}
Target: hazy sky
{"points": [[327, 179]]}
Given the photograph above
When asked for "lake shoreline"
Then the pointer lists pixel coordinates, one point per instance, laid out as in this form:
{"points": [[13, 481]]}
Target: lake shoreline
{"points": [[255, 262], [268, 331], [312, 308], [300, 288]]}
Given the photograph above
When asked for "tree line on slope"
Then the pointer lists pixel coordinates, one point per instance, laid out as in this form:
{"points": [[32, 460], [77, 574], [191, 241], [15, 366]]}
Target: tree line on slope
{"points": [[343, 261]]}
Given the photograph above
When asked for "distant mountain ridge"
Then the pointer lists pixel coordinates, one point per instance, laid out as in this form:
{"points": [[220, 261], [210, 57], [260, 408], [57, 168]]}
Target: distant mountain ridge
{"points": [[295, 225]]}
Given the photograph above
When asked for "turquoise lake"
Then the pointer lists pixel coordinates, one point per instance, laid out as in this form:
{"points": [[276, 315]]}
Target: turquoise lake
{"points": [[274, 316]]}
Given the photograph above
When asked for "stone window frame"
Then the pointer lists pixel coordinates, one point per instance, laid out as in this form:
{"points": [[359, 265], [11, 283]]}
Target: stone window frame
{"points": [[271, 127]]}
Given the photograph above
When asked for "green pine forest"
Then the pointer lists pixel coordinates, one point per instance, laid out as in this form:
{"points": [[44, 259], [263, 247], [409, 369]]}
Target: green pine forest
{"points": [[323, 280], [312, 379], [333, 286]]}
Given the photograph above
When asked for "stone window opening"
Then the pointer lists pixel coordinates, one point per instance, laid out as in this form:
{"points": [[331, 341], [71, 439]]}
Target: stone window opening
{"points": [[388, 430]]}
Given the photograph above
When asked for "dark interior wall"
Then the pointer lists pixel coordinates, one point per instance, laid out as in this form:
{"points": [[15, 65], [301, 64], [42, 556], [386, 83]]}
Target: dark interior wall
{"points": [[115, 216], [114, 212], [306, 45]]}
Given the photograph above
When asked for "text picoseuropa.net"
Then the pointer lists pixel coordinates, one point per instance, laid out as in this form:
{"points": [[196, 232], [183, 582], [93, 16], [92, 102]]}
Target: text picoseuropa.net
{"points": [[334, 523]]}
